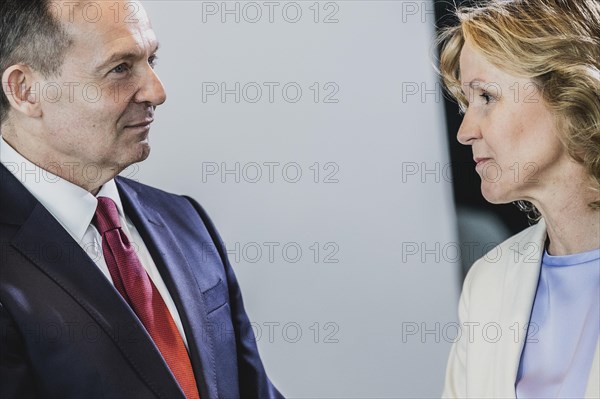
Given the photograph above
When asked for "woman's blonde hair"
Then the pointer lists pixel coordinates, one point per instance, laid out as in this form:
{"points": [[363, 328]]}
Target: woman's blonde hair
{"points": [[556, 44]]}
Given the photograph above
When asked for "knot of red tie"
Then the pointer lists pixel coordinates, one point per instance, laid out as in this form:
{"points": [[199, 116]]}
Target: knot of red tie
{"points": [[107, 215]]}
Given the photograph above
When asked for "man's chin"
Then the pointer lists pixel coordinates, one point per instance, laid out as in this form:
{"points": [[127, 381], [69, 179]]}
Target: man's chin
{"points": [[141, 153], [144, 151]]}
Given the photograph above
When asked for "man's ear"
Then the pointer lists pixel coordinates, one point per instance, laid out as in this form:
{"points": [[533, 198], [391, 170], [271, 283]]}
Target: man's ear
{"points": [[19, 86]]}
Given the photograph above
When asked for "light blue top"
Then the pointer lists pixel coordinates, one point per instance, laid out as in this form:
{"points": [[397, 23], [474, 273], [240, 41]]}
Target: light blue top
{"points": [[563, 329]]}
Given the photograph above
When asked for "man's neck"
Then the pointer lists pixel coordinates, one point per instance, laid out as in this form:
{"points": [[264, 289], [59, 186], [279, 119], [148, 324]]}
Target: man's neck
{"points": [[89, 176]]}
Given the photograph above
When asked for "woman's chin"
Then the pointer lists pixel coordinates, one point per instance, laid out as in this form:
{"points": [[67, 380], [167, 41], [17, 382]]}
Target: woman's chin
{"points": [[494, 194]]}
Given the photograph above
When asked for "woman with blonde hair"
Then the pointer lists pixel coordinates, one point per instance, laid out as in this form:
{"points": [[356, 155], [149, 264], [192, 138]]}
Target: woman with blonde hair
{"points": [[526, 73]]}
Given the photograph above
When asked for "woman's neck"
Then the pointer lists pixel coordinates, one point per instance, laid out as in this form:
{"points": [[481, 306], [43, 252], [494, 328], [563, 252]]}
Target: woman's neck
{"points": [[573, 226]]}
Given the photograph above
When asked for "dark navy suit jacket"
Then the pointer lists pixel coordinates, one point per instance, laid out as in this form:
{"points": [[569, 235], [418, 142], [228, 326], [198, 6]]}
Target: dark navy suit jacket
{"points": [[65, 332]]}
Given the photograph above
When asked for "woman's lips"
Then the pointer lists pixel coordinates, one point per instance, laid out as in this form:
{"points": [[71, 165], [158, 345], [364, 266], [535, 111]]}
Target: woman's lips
{"points": [[480, 161]]}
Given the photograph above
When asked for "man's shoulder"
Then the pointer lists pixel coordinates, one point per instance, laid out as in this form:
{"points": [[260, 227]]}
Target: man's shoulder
{"points": [[151, 195], [142, 195], [141, 188], [162, 200]]}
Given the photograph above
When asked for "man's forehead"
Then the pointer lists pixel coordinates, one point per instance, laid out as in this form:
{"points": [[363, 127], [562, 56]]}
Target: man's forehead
{"points": [[96, 14], [100, 24]]}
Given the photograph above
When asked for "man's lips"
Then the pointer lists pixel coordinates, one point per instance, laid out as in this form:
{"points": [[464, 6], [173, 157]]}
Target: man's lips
{"points": [[145, 123]]}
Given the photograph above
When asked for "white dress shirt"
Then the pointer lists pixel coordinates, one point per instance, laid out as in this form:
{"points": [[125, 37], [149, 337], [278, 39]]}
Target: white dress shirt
{"points": [[73, 207]]}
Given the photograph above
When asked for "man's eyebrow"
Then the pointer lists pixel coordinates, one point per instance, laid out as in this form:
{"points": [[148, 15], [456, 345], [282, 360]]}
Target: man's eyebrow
{"points": [[124, 55]]}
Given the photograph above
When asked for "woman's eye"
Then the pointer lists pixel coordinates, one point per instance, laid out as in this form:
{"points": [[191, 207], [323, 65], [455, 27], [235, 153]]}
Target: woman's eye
{"points": [[486, 97]]}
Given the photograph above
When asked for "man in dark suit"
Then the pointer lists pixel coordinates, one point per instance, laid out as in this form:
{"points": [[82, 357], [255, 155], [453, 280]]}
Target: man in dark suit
{"points": [[108, 288]]}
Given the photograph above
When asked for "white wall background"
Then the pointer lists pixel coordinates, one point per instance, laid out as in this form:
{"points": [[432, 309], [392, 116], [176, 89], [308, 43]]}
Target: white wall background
{"points": [[326, 329]]}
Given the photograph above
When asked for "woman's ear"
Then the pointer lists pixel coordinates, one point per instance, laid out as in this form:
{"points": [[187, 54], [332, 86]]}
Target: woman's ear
{"points": [[22, 90]]}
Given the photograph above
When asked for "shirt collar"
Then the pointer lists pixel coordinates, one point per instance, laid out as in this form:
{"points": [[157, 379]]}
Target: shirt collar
{"points": [[72, 206]]}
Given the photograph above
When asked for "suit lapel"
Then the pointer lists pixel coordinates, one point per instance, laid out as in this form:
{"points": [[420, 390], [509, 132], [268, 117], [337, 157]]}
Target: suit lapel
{"points": [[46, 244], [180, 281], [86, 284], [520, 286]]}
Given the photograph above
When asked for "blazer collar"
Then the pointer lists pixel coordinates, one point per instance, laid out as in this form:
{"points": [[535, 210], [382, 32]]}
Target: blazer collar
{"points": [[520, 287], [593, 386], [523, 260], [16, 203]]}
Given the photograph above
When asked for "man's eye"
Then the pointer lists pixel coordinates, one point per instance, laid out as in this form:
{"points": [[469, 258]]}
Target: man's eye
{"points": [[120, 69], [152, 61]]}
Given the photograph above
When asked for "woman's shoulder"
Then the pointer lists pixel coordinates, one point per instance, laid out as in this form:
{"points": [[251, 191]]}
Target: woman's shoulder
{"points": [[526, 246], [507, 266]]}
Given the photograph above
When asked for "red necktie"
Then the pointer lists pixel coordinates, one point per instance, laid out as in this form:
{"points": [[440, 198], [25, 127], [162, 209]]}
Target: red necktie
{"points": [[134, 284]]}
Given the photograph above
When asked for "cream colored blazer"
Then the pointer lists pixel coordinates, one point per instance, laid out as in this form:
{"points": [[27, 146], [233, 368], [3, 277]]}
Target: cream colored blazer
{"points": [[494, 311]]}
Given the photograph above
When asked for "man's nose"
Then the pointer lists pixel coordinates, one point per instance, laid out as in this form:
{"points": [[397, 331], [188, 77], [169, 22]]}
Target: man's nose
{"points": [[469, 130], [151, 89]]}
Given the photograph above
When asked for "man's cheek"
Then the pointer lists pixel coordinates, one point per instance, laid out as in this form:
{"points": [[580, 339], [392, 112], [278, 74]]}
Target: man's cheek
{"points": [[120, 93]]}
